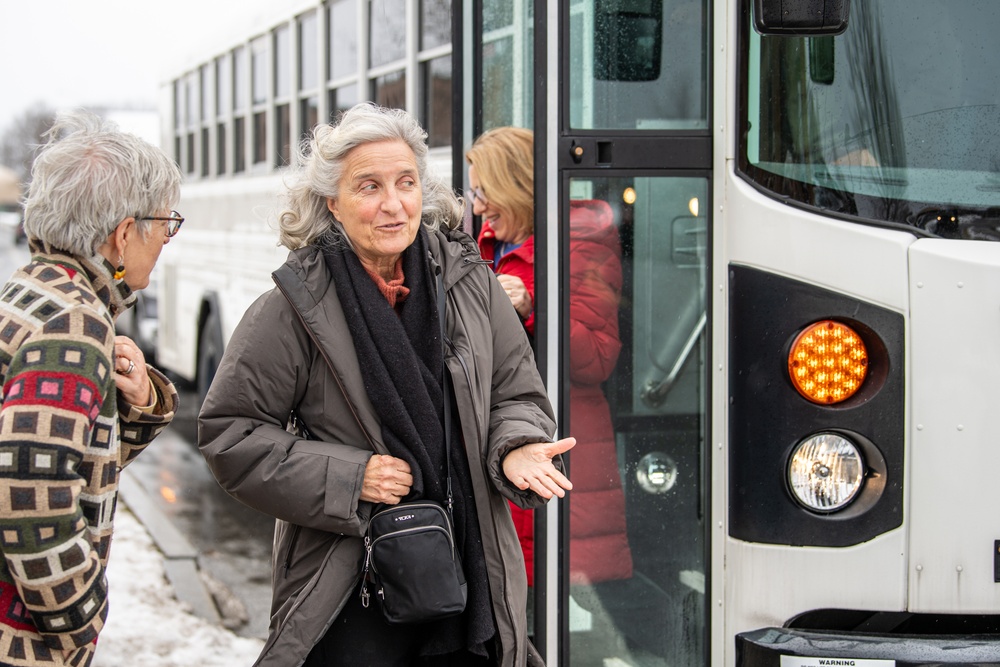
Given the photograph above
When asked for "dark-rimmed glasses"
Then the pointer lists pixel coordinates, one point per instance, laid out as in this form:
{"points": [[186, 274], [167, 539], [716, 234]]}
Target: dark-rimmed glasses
{"points": [[174, 222]]}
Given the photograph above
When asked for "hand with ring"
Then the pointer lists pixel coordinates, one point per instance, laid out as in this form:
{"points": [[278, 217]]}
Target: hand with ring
{"points": [[130, 376]]}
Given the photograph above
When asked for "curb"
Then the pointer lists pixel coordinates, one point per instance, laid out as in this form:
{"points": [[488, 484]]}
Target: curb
{"points": [[180, 558]]}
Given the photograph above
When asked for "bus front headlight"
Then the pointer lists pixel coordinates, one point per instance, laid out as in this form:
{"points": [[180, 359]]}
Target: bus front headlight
{"points": [[825, 472]]}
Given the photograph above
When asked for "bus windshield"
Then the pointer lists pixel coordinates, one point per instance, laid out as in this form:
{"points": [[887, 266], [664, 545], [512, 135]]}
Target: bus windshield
{"points": [[896, 121]]}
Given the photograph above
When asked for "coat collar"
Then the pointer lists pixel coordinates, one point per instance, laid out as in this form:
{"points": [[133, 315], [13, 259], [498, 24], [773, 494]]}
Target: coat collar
{"points": [[455, 252], [114, 294]]}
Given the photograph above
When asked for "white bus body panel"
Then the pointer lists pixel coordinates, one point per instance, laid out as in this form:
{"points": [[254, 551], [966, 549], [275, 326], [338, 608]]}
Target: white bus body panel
{"points": [[869, 264], [866, 262], [227, 248], [949, 294], [954, 453]]}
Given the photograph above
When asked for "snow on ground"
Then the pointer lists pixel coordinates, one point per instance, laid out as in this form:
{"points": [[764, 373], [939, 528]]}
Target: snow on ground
{"points": [[147, 626]]}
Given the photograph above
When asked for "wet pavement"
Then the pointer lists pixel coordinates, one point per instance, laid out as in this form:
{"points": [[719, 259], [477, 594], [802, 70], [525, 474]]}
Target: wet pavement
{"points": [[232, 540]]}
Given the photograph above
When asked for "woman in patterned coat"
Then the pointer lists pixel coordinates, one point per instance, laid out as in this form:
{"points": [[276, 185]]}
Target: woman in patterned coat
{"points": [[78, 402]]}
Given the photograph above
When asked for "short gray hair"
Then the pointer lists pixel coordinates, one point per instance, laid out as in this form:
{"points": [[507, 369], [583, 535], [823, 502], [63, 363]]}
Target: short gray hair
{"points": [[88, 177], [321, 161]]}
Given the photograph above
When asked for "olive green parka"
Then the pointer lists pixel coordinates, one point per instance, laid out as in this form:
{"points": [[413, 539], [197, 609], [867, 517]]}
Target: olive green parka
{"points": [[293, 351]]}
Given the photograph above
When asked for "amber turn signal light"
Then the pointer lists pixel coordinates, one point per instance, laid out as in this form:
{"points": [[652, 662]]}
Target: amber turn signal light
{"points": [[828, 362]]}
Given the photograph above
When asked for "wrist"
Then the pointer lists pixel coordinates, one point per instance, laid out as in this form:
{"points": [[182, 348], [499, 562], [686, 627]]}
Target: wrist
{"points": [[152, 398]]}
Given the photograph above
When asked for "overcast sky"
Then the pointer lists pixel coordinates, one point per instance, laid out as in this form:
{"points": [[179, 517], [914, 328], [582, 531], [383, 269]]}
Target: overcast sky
{"points": [[111, 53]]}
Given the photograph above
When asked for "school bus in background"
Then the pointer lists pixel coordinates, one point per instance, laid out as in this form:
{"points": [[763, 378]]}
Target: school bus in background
{"points": [[807, 201], [11, 213]]}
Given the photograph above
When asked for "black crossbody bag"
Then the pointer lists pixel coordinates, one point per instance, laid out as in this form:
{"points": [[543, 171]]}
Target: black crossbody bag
{"points": [[414, 564]]}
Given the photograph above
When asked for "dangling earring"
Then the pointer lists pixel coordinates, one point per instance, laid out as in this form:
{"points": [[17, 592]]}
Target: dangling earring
{"points": [[120, 271]]}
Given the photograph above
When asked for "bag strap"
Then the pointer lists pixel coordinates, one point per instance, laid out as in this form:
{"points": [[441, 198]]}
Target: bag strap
{"points": [[446, 391]]}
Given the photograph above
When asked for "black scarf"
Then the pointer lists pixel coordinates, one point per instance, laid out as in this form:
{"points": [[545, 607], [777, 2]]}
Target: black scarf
{"points": [[402, 366]]}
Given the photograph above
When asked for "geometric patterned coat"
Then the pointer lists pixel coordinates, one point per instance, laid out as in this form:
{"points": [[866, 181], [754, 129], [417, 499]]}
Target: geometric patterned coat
{"points": [[64, 437]]}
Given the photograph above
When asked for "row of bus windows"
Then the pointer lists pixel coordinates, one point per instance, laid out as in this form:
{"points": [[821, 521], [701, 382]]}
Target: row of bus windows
{"points": [[386, 90], [241, 109]]}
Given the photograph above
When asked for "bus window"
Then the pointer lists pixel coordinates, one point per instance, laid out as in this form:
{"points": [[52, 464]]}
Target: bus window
{"points": [[508, 61], [343, 41], [387, 31], [436, 112], [633, 51], [637, 402], [638, 65], [879, 125]]}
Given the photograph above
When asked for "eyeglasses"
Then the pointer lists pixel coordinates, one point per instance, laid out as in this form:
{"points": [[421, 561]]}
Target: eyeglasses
{"points": [[477, 194], [174, 222]]}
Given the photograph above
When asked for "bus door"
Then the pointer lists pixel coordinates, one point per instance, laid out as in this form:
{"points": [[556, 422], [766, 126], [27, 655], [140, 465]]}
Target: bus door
{"points": [[632, 189]]}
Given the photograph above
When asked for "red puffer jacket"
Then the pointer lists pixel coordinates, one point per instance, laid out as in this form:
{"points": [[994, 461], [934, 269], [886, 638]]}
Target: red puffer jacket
{"points": [[599, 544], [519, 262]]}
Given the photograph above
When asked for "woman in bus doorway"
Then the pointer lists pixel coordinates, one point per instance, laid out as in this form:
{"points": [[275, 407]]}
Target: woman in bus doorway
{"points": [[350, 346], [501, 178]]}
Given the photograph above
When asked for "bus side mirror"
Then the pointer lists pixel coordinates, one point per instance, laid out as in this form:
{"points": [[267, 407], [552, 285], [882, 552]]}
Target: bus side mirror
{"points": [[628, 44], [800, 17]]}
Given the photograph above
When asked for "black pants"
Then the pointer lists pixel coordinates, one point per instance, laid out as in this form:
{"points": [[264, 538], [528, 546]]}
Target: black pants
{"points": [[361, 636]]}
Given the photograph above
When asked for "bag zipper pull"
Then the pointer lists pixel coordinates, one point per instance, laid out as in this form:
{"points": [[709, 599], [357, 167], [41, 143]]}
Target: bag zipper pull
{"points": [[365, 597]]}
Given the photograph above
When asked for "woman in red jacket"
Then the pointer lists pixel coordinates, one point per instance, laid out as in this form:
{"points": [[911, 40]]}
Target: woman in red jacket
{"points": [[502, 186]]}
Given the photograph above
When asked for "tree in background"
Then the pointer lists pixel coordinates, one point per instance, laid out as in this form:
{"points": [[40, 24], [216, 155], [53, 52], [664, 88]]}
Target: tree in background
{"points": [[21, 139]]}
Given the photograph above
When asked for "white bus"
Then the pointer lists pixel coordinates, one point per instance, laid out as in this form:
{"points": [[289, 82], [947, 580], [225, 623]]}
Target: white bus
{"points": [[807, 196]]}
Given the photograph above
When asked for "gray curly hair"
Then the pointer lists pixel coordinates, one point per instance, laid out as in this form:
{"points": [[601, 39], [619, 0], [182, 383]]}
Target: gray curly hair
{"points": [[321, 162], [88, 177]]}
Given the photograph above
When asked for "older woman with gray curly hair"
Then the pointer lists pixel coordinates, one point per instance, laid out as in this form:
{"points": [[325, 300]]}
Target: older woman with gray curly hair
{"points": [[79, 402], [330, 402]]}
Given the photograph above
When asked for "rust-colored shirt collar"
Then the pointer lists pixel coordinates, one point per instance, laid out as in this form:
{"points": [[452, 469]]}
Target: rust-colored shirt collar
{"points": [[393, 290]]}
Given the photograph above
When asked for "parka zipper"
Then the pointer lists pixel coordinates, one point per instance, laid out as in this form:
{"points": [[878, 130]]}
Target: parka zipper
{"points": [[293, 540], [468, 381]]}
